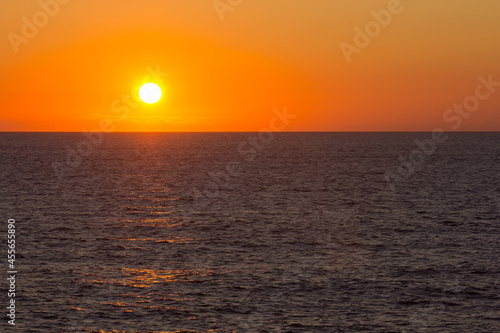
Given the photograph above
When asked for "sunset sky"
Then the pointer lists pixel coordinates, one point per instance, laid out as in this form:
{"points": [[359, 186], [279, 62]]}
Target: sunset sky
{"points": [[227, 68]]}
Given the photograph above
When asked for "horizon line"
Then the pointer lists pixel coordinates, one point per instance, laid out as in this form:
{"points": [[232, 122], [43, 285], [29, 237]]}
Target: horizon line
{"points": [[398, 131]]}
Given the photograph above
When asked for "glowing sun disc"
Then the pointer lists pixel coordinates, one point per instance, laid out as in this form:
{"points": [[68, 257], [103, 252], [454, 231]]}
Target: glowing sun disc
{"points": [[150, 93]]}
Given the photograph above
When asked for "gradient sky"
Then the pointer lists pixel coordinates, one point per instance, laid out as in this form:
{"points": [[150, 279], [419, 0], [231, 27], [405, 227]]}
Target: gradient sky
{"points": [[228, 75]]}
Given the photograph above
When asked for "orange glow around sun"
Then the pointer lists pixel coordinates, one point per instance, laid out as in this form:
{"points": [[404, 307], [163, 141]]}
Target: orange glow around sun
{"points": [[227, 71]]}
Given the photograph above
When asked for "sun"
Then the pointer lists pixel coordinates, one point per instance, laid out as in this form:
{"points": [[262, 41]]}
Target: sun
{"points": [[150, 93]]}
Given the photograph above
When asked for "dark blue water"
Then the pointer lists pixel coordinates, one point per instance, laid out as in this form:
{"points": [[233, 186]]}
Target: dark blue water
{"points": [[304, 232]]}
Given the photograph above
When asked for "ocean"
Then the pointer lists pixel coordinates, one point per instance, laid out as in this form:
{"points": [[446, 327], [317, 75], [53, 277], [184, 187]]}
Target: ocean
{"points": [[252, 232]]}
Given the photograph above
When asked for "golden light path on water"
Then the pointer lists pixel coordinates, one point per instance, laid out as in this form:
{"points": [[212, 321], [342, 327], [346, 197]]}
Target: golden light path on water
{"points": [[279, 247]]}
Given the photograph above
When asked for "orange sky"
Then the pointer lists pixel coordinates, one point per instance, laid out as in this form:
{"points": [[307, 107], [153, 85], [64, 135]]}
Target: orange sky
{"points": [[229, 67]]}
